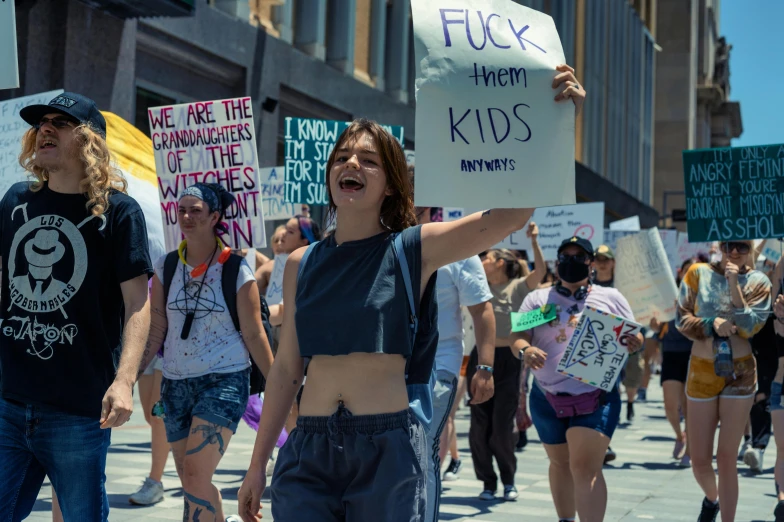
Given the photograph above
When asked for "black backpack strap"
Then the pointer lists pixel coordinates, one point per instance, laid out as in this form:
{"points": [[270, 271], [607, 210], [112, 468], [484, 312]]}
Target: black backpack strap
{"points": [[231, 270], [169, 269]]}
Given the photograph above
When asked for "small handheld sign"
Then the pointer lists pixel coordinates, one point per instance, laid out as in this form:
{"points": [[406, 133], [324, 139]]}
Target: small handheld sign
{"points": [[534, 318]]}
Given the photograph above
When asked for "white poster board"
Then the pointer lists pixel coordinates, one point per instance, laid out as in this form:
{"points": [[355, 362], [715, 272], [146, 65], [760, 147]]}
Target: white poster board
{"points": [[555, 224], [209, 142], [643, 275], [670, 241], [630, 223], [12, 128], [272, 190], [9, 61], [490, 133], [275, 288], [688, 250], [611, 237], [597, 352]]}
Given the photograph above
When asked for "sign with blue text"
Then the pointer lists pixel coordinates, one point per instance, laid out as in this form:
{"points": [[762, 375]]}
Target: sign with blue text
{"points": [[272, 187], [309, 143], [490, 133], [734, 193]]}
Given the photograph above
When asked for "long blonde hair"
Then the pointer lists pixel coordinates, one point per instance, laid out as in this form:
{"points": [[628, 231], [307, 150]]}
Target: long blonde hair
{"points": [[101, 177]]}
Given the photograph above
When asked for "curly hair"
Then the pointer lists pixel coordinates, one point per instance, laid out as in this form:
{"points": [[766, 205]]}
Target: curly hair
{"points": [[101, 177], [397, 210]]}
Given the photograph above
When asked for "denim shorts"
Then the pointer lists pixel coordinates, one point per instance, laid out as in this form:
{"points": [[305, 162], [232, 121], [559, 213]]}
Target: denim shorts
{"points": [[219, 398], [552, 430], [775, 397]]}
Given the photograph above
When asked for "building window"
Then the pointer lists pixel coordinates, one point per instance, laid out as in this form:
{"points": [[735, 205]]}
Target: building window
{"points": [[145, 99], [362, 41]]}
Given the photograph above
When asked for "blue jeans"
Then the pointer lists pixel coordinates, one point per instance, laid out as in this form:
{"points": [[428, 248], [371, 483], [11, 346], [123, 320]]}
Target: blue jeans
{"points": [[36, 441], [443, 397]]}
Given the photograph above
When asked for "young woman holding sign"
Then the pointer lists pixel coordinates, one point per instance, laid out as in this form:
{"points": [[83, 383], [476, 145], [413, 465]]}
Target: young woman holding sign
{"points": [[721, 306], [358, 452], [575, 435]]}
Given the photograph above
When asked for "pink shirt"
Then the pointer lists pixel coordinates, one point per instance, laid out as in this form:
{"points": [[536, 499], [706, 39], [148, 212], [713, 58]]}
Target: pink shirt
{"points": [[553, 337]]}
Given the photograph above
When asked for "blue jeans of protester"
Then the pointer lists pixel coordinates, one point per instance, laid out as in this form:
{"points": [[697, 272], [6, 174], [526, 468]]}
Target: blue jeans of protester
{"points": [[36, 441], [443, 397]]}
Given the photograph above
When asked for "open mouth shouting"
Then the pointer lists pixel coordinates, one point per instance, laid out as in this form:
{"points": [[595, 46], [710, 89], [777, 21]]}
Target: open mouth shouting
{"points": [[46, 144], [350, 182]]}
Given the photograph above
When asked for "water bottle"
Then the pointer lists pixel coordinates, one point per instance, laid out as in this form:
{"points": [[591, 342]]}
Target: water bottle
{"points": [[722, 357]]}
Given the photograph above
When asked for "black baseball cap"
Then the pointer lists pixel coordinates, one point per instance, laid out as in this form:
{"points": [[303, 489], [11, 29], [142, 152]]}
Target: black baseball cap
{"points": [[76, 106], [580, 242]]}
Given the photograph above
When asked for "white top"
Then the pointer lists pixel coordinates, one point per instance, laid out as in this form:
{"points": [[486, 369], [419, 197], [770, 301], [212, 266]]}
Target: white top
{"points": [[214, 345], [459, 284]]}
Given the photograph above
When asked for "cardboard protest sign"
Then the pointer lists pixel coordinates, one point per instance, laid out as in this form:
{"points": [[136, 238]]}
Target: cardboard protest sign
{"points": [[631, 223], [734, 193], [12, 128], [597, 352], [687, 250], [611, 237], [772, 251], [272, 186], [309, 143], [275, 288], [9, 61], [209, 142], [528, 320], [643, 275], [670, 241], [489, 133]]}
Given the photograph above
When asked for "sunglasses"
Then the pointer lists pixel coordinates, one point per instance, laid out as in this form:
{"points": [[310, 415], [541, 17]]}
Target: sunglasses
{"points": [[577, 258], [57, 123], [742, 248], [306, 229]]}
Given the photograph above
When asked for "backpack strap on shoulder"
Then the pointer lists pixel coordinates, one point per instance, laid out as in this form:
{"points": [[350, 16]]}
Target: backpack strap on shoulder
{"points": [[305, 257], [169, 269], [397, 246], [231, 270]]}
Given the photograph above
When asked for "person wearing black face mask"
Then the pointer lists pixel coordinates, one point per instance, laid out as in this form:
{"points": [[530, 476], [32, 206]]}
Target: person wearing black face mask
{"points": [[575, 444]]}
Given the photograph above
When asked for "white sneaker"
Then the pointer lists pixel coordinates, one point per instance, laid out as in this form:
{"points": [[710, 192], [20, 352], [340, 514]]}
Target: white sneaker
{"points": [[233, 518], [753, 459], [270, 466], [150, 493], [452, 471], [510, 493], [487, 495]]}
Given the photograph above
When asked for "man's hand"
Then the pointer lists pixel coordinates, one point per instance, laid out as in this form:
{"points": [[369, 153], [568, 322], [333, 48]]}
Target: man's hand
{"points": [[533, 231], [724, 328], [534, 358], [249, 495], [117, 405], [634, 343], [655, 325], [482, 387]]}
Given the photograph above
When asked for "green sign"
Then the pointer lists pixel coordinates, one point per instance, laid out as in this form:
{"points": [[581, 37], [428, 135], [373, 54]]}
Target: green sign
{"points": [[734, 193], [534, 318]]}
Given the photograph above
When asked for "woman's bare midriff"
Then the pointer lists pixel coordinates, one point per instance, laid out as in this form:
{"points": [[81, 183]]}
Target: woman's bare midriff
{"points": [[704, 348], [367, 383]]}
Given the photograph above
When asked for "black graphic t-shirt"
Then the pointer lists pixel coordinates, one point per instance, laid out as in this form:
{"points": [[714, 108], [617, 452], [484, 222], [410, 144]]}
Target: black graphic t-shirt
{"points": [[61, 307]]}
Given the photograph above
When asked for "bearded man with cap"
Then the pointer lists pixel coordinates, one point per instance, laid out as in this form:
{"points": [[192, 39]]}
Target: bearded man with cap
{"points": [[75, 314], [575, 444]]}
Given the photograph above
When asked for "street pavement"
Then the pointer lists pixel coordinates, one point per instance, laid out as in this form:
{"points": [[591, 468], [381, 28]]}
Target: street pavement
{"points": [[643, 483]]}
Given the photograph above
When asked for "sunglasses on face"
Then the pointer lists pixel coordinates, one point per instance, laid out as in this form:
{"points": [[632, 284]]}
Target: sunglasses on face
{"points": [[742, 248], [577, 258], [57, 123]]}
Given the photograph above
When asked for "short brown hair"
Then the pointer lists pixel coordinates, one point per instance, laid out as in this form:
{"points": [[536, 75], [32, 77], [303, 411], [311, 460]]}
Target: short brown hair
{"points": [[397, 210]]}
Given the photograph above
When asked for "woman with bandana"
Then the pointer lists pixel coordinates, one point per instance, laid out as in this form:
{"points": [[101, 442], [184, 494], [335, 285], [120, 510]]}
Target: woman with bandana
{"points": [[207, 360]]}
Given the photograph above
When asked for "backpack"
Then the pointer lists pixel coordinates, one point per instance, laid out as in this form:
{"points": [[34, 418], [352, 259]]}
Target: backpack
{"points": [[420, 395], [231, 270]]}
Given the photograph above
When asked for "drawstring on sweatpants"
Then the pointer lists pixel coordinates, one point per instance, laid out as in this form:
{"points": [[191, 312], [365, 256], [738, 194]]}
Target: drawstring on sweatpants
{"points": [[333, 424]]}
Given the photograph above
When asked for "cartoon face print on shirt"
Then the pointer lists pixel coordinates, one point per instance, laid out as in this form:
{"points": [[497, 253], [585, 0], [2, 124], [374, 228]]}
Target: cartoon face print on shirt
{"points": [[47, 265], [562, 337], [557, 321]]}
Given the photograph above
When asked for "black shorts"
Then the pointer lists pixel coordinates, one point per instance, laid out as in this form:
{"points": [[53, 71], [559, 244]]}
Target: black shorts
{"points": [[675, 366]]}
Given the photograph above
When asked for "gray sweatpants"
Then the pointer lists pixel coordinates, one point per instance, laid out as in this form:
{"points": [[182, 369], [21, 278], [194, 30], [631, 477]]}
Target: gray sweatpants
{"points": [[346, 468]]}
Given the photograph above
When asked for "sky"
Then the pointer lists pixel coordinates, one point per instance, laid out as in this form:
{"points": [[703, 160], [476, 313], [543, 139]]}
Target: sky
{"points": [[753, 28]]}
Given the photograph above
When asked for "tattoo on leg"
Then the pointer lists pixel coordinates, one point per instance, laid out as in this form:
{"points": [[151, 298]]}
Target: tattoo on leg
{"points": [[197, 511], [212, 435]]}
